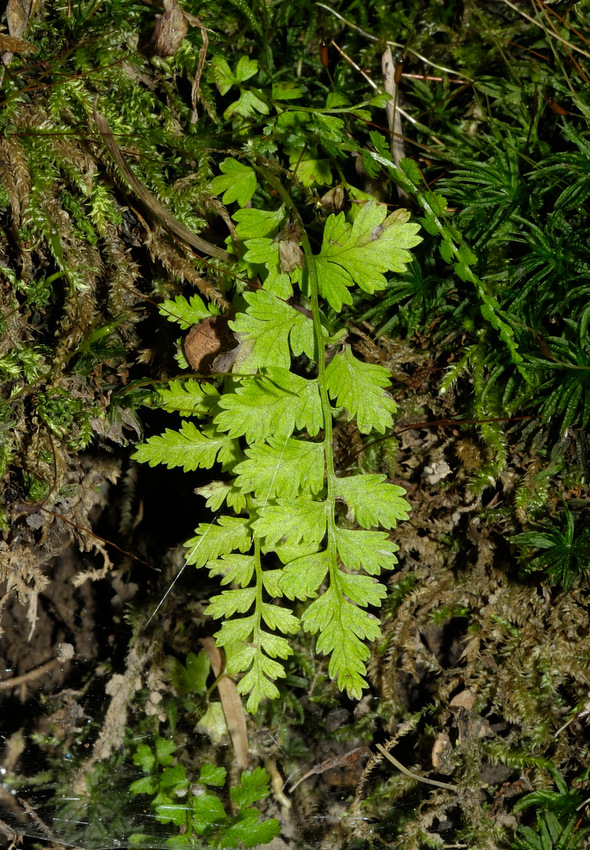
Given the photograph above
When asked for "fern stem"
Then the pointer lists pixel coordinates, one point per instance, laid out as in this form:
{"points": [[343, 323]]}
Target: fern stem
{"points": [[258, 601], [310, 265], [326, 410]]}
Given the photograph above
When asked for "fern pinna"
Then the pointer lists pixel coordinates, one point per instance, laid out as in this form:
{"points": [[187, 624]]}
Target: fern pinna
{"points": [[282, 534]]}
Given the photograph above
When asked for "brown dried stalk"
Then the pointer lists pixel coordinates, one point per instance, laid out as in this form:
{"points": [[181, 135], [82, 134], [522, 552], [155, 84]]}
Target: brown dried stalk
{"points": [[161, 212]]}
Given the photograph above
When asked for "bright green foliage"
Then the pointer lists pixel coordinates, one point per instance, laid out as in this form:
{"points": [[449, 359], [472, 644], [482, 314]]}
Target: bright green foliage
{"points": [[273, 404], [371, 501], [282, 480], [190, 448], [237, 182], [189, 398], [508, 224], [187, 312], [359, 253], [191, 677], [452, 247], [549, 834], [499, 293], [248, 104], [358, 387], [274, 329], [194, 808], [281, 467]]}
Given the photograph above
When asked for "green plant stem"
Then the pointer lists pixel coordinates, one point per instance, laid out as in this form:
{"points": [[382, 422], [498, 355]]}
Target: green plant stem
{"points": [[321, 363], [259, 586]]}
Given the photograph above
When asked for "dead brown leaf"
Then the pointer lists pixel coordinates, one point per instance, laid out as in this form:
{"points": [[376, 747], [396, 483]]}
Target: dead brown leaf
{"points": [[170, 29], [231, 703], [207, 342]]}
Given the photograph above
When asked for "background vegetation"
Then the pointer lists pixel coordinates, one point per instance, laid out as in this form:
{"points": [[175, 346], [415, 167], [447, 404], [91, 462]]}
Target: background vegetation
{"points": [[479, 680]]}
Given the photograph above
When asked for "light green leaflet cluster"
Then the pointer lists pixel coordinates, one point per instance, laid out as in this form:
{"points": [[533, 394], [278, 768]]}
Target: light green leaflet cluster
{"points": [[288, 528]]}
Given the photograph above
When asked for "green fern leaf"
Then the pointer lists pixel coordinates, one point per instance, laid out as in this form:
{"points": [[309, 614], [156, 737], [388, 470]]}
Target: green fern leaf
{"points": [[284, 478], [257, 683], [270, 582], [191, 448], [257, 658], [236, 631], [272, 404], [360, 253], [363, 590], [189, 398], [372, 501], [218, 492], [187, 313], [274, 329], [281, 467], [279, 618], [368, 550], [292, 520], [236, 569], [215, 539], [301, 578], [342, 629], [358, 387], [275, 645], [230, 602]]}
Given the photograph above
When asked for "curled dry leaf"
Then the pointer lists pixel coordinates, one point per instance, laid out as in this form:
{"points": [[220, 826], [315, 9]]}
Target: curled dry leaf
{"points": [[170, 29], [290, 254], [464, 699], [9, 44], [442, 752], [211, 346], [333, 200], [291, 257], [18, 13], [158, 209], [344, 760]]}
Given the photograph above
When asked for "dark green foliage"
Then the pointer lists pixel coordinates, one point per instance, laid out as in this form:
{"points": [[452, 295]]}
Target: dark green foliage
{"points": [[557, 822], [515, 180], [564, 556]]}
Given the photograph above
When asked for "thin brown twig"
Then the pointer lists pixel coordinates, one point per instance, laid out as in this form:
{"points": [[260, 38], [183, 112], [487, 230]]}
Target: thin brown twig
{"points": [[356, 67], [372, 37], [457, 80], [161, 212], [368, 79], [415, 426], [555, 35], [413, 775], [7, 684], [34, 508]]}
